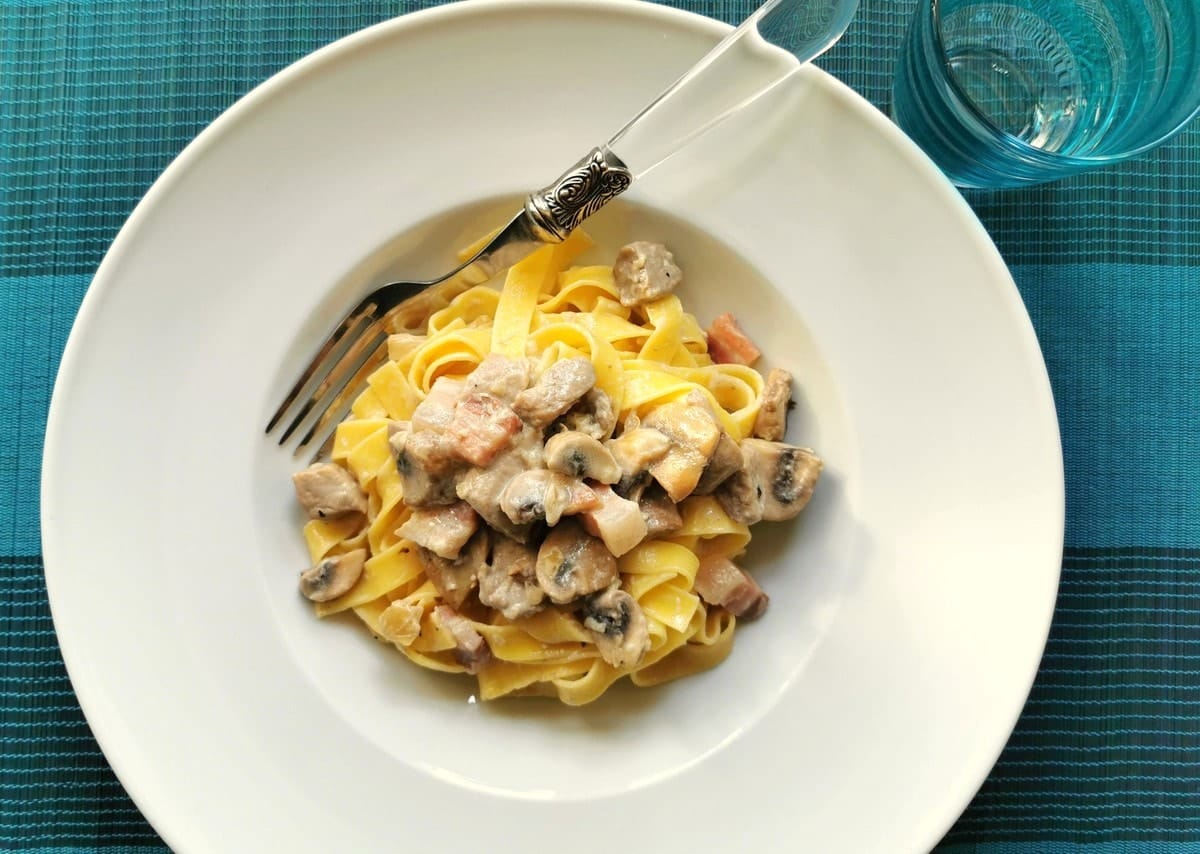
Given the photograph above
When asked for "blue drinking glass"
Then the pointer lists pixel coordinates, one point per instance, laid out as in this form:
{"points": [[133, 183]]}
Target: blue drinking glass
{"points": [[1006, 93]]}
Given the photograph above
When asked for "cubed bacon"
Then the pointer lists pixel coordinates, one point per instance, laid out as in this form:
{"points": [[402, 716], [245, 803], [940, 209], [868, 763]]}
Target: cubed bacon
{"points": [[442, 530], [661, 515], [617, 521], [557, 390], [500, 376], [720, 581], [481, 428], [437, 409], [727, 344], [325, 490]]}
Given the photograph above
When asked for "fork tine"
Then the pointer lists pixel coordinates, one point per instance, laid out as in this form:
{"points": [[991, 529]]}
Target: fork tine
{"points": [[326, 449], [332, 350], [332, 413], [339, 409], [339, 374]]}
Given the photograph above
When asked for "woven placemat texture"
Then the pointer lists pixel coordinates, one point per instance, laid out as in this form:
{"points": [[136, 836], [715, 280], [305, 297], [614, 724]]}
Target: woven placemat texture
{"points": [[97, 97]]}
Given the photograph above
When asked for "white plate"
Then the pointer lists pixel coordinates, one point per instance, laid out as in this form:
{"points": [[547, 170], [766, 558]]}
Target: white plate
{"points": [[909, 607]]}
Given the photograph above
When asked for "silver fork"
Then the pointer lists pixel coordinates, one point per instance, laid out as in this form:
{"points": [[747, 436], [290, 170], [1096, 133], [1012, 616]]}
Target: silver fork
{"points": [[772, 44]]}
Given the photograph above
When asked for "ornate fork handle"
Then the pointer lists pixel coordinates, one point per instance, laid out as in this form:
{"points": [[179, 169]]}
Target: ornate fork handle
{"points": [[589, 185], [774, 41]]}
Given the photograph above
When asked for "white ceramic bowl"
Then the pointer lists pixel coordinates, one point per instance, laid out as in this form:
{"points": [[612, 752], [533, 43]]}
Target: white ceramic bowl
{"points": [[909, 605]]}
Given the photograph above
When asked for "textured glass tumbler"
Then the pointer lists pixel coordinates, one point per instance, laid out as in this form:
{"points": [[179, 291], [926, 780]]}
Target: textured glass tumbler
{"points": [[1006, 94]]}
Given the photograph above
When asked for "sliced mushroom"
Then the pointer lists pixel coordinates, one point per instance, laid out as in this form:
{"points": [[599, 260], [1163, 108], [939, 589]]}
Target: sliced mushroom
{"points": [[454, 579], [470, 647], [616, 621], [788, 475], [539, 494], [442, 530], [508, 583], [720, 581], [775, 483], [593, 414], [771, 423], [726, 459], [333, 576], [400, 622], [661, 515], [741, 497], [428, 467], [794, 475], [529, 497], [325, 490], [644, 272], [694, 435], [571, 564], [500, 376], [556, 391], [617, 521], [481, 427], [633, 486], [579, 455]]}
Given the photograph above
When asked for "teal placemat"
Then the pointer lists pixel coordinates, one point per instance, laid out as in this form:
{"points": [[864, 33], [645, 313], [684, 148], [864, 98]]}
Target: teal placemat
{"points": [[97, 97]]}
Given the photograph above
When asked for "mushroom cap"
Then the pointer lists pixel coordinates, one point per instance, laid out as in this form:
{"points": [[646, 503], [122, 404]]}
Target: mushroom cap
{"points": [[541, 494], [333, 575], [785, 475], [725, 461], [619, 627], [592, 414], [571, 563], [579, 455]]}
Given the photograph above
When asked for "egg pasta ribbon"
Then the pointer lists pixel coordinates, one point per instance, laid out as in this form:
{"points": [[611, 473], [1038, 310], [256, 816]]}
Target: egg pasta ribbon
{"points": [[643, 357]]}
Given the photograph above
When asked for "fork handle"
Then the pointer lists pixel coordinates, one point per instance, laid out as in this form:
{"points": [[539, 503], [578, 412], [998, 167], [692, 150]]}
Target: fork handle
{"points": [[555, 211], [770, 45]]}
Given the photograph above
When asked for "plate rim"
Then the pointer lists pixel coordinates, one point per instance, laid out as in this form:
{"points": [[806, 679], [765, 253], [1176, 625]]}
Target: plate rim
{"points": [[934, 822]]}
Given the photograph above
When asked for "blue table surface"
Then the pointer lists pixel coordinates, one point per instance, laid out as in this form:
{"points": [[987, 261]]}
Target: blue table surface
{"points": [[97, 97]]}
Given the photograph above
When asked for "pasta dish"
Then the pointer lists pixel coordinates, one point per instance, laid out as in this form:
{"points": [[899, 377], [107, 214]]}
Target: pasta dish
{"points": [[549, 485]]}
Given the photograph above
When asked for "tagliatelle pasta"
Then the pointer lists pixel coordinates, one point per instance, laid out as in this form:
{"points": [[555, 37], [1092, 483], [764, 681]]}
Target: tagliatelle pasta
{"points": [[644, 357]]}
